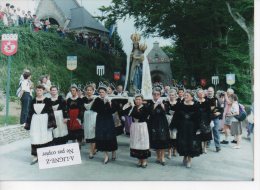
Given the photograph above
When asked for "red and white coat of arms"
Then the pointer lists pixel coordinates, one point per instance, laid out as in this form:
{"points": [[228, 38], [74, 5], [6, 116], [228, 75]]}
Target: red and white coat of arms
{"points": [[9, 44]]}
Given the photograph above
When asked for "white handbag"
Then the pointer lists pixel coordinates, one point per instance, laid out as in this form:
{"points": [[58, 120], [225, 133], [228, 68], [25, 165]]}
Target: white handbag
{"points": [[211, 124], [250, 118]]}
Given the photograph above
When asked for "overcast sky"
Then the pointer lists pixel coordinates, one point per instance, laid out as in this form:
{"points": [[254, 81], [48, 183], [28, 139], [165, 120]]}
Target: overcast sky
{"points": [[125, 28]]}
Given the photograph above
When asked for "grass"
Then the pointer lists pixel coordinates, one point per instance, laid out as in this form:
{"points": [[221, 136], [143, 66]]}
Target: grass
{"points": [[12, 120]]}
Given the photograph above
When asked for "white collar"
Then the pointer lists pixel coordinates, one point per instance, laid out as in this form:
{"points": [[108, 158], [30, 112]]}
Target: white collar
{"points": [[54, 98], [74, 98], [140, 106], [160, 100]]}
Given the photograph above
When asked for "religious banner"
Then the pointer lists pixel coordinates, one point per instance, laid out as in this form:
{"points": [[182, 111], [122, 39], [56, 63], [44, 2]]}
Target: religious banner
{"points": [[215, 80], [71, 62], [116, 76], [203, 82], [100, 70], [9, 44], [230, 79]]}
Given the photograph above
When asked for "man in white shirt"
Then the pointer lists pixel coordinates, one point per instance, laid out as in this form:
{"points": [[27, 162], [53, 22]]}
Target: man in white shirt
{"points": [[25, 97]]}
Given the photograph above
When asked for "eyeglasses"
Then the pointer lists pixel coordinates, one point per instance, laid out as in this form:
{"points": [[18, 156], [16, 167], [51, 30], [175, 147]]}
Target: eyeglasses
{"points": [[156, 93]]}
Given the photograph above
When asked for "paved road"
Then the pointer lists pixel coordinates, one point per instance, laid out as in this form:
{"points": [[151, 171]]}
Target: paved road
{"points": [[229, 164]]}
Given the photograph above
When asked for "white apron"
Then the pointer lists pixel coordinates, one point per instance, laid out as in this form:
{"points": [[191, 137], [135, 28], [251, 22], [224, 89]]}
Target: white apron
{"points": [[89, 122], [62, 129], [39, 132], [139, 137]]}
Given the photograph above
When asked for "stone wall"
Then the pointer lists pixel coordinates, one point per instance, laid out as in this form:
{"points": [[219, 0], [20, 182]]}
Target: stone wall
{"points": [[12, 133]]}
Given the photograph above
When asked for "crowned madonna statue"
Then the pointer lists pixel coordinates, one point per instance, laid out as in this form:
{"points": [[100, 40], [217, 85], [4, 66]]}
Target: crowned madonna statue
{"points": [[138, 71]]}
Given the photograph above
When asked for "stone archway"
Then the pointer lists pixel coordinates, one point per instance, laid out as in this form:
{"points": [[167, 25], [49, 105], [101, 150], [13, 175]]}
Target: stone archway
{"points": [[53, 21], [157, 76]]}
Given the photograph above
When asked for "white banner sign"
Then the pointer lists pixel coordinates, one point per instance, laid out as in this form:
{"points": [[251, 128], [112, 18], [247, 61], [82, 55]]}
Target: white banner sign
{"points": [[100, 70], [215, 80], [71, 62], [58, 156], [230, 79]]}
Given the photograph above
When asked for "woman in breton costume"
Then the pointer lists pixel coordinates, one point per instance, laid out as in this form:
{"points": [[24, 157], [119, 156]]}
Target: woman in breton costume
{"points": [[139, 137], [89, 119], [158, 126], [105, 127], [170, 106], [40, 122], [74, 107], [187, 118], [205, 117], [60, 134], [118, 103]]}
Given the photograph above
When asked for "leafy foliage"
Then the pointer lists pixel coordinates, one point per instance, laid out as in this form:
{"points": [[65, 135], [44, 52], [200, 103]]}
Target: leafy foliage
{"points": [[207, 41]]}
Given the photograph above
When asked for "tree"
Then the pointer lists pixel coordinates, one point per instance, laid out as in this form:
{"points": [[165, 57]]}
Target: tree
{"points": [[246, 22], [201, 31]]}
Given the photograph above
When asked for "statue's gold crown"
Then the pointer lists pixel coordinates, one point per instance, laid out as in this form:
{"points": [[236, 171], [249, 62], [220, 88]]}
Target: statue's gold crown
{"points": [[142, 47], [135, 37]]}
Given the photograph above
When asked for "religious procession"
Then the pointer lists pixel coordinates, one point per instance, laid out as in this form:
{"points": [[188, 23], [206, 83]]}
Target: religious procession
{"points": [[130, 87], [170, 120]]}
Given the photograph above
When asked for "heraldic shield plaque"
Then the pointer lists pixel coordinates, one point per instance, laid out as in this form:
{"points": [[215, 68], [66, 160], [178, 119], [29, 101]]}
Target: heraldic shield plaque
{"points": [[9, 44]]}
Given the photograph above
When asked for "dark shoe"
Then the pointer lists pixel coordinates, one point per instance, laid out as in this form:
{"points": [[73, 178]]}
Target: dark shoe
{"points": [[139, 165], [34, 161], [218, 149], [114, 156], [91, 157], [234, 141], [106, 160], [163, 163], [224, 142], [144, 166], [158, 161]]}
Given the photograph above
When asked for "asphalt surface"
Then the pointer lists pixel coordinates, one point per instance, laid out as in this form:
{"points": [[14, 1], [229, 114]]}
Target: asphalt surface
{"points": [[227, 165]]}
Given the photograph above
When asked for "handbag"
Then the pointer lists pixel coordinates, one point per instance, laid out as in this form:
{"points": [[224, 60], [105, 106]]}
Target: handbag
{"points": [[204, 128], [242, 113], [173, 133]]}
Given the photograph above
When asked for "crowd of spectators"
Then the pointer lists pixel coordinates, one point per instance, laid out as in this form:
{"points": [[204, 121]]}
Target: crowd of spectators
{"points": [[14, 16]]}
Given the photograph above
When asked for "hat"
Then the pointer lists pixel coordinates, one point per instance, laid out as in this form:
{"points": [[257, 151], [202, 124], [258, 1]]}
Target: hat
{"points": [[101, 85], [73, 86]]}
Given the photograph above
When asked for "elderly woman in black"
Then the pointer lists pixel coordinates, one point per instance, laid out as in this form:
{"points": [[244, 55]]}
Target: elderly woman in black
{"points": [[187, 117], [204, 122], [139, 137], [105, 127], [158, 126]]}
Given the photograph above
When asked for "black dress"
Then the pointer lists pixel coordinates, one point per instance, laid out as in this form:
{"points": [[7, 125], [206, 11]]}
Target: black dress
{"points": [[105, 126], [204, 121], [40, 132], [118, 105], [187, 119], [61, 103], [171, 107], [74, 107], [158, 127]]}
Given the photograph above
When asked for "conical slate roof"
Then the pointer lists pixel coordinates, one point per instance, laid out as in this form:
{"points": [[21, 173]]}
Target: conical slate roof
{"points": [[69, 10], [66, 5], [80, 18]]}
